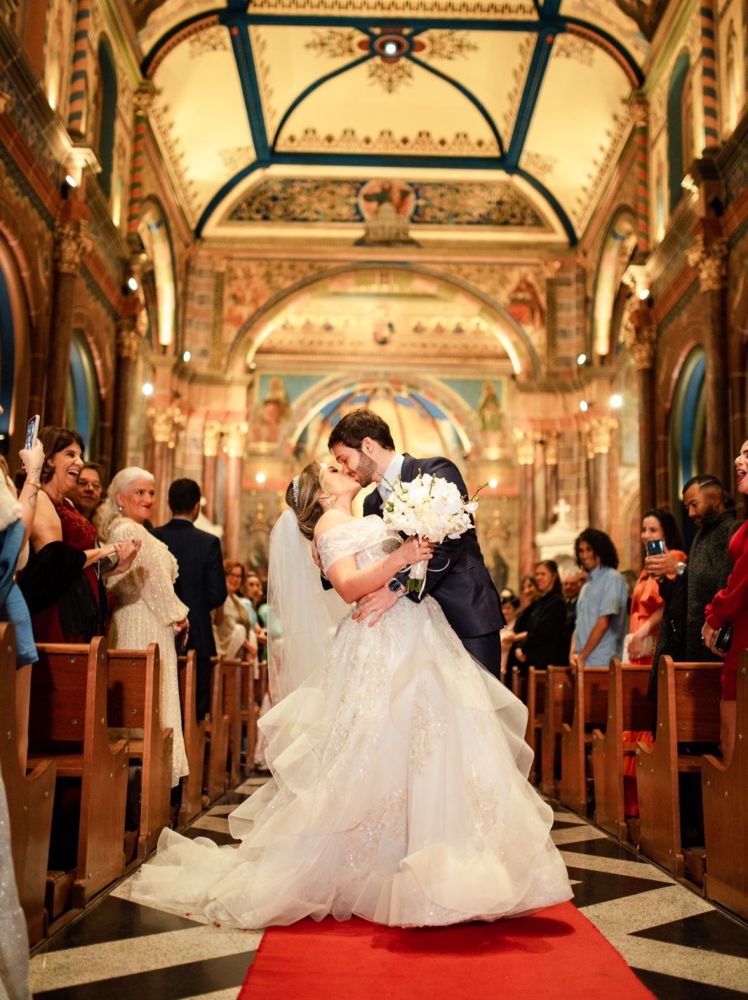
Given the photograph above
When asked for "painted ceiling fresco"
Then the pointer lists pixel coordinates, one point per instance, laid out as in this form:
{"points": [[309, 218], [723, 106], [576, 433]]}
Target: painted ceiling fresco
{"points": [[256, 101]]}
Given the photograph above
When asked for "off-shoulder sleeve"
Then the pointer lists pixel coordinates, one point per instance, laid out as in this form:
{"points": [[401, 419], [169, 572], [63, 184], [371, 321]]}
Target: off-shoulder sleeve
{"points": [[338, 542]]}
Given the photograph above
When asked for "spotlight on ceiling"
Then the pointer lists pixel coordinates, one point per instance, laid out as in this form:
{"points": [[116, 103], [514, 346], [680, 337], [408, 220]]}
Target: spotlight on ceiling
{"points": [[584, 405], [390, 48], [644, 294], [132, 284], [260, 478], [493, 483], [582, 359], [71, 181], [147, 389], [616, 401], [187, 356]]}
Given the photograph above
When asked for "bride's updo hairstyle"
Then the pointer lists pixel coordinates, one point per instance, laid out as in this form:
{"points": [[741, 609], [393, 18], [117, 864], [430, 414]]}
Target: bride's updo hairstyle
{"points": [[302, 496]]}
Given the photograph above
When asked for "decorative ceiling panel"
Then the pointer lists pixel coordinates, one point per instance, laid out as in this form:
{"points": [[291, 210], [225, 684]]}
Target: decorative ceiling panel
{"points": [[459, 9], [611, 19], [200, 117], [375, 108], [571, 143]]}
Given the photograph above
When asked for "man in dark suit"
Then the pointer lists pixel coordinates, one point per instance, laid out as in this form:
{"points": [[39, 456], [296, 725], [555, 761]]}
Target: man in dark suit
{"points": [[457, 576], [201, 583]]}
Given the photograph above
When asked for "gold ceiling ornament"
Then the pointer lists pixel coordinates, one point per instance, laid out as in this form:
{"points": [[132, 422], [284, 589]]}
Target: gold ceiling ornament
{"points": [[709, 257]]}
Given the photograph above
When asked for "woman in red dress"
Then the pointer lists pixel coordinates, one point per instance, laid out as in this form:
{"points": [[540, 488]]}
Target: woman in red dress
{"points": [[61, 581], [730, 607], [646, 603]]}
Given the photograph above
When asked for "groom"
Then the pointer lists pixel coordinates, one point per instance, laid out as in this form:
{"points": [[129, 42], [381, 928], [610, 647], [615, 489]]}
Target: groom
{"points": [[362, 444]]}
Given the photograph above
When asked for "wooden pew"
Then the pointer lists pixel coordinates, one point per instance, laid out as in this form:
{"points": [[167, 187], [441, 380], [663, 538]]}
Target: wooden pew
{"points": [[557, 709], [232, 707], [518, 684], [194, 740], [590, 706], [30, 799], [687, 712], [68, 724], [535, 707], [725, 791], [250, 675], [629, 710], [217, 731], [133, 703]]}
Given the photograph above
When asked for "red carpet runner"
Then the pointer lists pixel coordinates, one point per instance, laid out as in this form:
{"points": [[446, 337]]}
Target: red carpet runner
{"points": [[556, 953]]}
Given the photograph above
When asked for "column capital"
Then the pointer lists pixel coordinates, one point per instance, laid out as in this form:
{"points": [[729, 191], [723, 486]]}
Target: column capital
{"points": [[127, 340], [525, 442], [709, 257], [640, 333], [165, 423], [599, 435], [550, 447], [211, 437], [72, 243], [235, 432], [639, 106]]}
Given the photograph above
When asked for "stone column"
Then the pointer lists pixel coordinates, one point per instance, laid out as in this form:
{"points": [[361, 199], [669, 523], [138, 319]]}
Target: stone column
{"points": [[550, 455], [71, 245], [211, 439], [600, 432], [236, 437], [127, 353], [708, 256], [142, 101], [525, 441], [640, 337], [165, 423]]}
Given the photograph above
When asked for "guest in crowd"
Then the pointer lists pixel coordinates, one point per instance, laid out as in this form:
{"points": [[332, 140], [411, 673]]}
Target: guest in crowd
{"points": [[254, 593], [146, 607], [86, 494], [688, 587], [528, 592], [16, 520], [509, 607], [61, 583], [647, 604], [231, 624], [571, 585], [544, 644], [729, 606], [602, 605], [201, 584]]}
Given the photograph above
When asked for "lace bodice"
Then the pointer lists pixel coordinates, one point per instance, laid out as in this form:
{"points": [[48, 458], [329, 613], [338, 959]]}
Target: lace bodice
{"points": [[367, 538]]}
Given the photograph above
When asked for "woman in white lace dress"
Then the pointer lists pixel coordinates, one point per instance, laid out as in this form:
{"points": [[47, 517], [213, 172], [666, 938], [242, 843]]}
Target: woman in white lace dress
{"points": [[400, 791], [146, 608]]}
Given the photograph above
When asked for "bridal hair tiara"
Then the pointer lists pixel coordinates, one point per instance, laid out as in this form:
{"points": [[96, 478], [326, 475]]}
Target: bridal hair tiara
{"points": [[295, 490]]}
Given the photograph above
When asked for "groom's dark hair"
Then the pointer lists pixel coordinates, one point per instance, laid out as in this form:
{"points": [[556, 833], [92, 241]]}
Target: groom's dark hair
{"points": [[351, 430]]}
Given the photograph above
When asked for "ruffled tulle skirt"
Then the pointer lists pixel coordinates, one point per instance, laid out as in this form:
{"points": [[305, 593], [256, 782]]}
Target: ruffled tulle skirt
{"points": [[399, 793]]}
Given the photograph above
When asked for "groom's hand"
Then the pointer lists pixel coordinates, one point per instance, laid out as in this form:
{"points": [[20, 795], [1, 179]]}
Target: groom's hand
{"points": [[374, 605]]}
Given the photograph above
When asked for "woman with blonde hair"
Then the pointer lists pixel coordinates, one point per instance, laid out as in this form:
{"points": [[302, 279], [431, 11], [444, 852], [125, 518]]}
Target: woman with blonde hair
{"points": [[146, 609]]}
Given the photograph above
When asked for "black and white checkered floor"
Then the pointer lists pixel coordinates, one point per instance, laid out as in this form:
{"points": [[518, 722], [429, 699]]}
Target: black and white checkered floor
{"points": [[680, 946]]}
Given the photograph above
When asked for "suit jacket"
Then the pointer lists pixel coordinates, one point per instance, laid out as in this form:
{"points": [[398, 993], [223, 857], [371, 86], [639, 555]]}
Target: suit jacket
{"points": [[464, 587], [201, 583]]}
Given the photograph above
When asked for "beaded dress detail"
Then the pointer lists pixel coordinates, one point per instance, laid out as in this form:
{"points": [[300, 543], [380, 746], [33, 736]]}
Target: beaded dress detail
{"points": [[399, 789], [146, 607]]}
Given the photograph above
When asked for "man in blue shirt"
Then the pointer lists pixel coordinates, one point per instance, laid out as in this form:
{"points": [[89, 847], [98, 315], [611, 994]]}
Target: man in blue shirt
{"points": [[602, 607]]}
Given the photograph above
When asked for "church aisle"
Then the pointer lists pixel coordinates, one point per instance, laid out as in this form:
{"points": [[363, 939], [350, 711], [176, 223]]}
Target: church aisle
{"points": [[680, 946]]}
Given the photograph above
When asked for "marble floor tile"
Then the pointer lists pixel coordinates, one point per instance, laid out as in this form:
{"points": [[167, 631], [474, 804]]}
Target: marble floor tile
{"points": [[575, 834], [615, 866]]}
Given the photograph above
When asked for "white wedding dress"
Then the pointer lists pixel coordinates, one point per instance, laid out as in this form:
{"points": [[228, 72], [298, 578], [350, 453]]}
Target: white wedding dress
{"points": [[399, 789]]}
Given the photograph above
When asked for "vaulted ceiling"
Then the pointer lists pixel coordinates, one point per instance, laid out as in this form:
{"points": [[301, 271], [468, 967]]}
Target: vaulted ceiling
{"points": [[489, 116]]}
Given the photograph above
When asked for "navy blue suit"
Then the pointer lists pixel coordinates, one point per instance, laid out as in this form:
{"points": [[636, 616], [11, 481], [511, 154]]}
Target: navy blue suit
{"points": [[201, 584], [464, 589]]}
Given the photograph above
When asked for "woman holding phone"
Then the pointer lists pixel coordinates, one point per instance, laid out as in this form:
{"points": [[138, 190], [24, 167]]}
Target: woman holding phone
{"points": [[659, 534]]}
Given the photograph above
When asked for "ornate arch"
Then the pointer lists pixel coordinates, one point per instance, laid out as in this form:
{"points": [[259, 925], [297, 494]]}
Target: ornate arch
{"points": [[516, 342]]}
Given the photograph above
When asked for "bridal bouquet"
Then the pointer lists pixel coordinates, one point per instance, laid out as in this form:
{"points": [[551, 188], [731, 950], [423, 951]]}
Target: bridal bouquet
{"points": [[432, 508]]}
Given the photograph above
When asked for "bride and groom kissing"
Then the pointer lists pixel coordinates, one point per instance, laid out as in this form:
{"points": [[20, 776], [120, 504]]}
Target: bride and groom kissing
{"points": [[458, 579], [399, 787]]}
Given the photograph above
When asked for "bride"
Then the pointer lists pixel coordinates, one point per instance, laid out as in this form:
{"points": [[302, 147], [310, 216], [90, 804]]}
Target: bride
{"points": [[399, 765]]}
